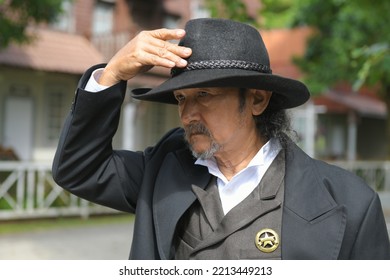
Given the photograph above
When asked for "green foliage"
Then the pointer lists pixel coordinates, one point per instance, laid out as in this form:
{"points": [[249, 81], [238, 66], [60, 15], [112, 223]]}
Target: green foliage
{"points": [[16, 15], [350, 42], [376, 56], [277, 13], [231, 9]]}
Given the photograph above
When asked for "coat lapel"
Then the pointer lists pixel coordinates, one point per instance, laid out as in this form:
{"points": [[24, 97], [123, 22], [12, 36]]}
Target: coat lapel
{"points": [[260, 202], [210, 202], [313, 224], [173, 195]]}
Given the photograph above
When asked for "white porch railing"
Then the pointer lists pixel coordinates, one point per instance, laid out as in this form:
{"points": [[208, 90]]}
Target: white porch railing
{"points": [[375, 173], [27, 190]]}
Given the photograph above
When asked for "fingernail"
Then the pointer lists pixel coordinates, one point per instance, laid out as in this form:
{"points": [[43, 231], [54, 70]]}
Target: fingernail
{"points": [[187, 51], [180, 32], [183, 62]]}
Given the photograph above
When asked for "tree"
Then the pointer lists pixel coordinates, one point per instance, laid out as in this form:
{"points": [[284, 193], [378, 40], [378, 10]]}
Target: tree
{"points": [[277, 13], [16, 15], [232, 9], [350, 43]]}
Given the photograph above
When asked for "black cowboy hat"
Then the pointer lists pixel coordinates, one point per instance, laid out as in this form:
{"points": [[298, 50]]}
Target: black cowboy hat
{"points": [[226, 53]]}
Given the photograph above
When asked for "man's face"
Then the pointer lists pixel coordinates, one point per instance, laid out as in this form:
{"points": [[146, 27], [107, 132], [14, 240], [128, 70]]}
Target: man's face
{"points": [[213, 120]]}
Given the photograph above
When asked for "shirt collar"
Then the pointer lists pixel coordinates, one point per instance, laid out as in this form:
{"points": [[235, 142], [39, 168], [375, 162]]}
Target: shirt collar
{"points": [[266, 154]]}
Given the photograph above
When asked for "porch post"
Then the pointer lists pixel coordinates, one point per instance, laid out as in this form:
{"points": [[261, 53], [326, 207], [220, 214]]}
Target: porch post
{"points": [[129, 112], [352, 136], [311, 122]]}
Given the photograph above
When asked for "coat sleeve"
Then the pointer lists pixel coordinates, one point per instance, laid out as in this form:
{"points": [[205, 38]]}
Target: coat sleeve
{"points": [[85, 163], [372, 241]]}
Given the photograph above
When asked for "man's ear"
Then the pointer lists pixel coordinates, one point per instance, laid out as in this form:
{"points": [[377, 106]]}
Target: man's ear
{"points": [[260, 100]]}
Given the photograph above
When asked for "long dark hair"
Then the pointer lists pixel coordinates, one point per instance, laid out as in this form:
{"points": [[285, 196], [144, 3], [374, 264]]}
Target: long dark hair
{"points": [[272, 123]]}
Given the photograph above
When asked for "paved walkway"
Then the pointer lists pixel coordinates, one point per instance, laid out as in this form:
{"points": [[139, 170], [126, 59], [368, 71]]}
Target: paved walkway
{"points": [[110, 241], [98, 242]]}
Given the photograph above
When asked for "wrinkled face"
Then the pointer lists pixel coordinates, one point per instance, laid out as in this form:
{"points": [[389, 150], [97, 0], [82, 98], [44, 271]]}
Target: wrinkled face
{"points": [[213, 120]]}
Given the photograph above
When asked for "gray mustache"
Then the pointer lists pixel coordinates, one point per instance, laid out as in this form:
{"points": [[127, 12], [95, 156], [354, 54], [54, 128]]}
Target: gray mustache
{"points": [[196, 128]]}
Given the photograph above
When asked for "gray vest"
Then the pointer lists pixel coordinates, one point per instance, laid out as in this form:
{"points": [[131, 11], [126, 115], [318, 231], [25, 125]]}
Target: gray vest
{"points": [[251, 230]]}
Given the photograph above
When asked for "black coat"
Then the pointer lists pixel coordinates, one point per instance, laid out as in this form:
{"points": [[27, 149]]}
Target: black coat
{"points": [[328, 213]]}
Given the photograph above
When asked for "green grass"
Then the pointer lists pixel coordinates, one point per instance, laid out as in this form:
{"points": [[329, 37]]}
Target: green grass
{"points": [[9, 227]]}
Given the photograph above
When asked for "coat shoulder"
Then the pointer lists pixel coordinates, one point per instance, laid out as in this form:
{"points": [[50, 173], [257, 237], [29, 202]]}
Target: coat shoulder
{"points": [[172, 141], [334, 178], [337, 178]]}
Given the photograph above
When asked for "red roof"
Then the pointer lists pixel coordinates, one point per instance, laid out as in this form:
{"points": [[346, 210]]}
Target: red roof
{"points": [[53, 51], [283, 45], [341, 102]]}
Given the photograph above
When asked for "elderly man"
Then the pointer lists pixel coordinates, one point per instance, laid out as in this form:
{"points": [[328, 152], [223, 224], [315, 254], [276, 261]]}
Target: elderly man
{"points": [[230, 184]]}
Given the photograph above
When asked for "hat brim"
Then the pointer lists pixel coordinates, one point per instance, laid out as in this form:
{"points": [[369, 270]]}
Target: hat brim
{"points": [[287, 93]]}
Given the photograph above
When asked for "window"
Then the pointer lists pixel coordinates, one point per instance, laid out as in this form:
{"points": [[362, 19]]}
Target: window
{"points": [[65, 21], [199, 10], [103, 18], [56, 111], [171, 21], [157, 122]]}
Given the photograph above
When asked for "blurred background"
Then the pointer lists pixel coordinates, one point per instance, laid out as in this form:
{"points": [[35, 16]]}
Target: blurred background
{"points": [[340, 49]]}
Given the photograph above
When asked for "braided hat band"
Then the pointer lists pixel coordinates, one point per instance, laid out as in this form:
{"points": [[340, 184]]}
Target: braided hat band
{"points": [[222, 64]]}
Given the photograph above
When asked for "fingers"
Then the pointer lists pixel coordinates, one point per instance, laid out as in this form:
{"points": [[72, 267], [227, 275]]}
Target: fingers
{"points": [[146, 50], [166, 54], [167, 34], [161, 51]]}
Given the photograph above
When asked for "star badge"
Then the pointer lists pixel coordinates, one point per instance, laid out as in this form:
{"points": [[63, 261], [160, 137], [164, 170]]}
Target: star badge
{"points": [[267, 240]]}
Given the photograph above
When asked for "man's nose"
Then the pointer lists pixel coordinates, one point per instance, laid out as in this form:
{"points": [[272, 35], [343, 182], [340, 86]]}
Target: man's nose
{"points": [[189, 112]]}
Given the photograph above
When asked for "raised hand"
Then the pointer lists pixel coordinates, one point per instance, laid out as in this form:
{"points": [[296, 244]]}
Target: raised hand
{"points": [[147, 49]]}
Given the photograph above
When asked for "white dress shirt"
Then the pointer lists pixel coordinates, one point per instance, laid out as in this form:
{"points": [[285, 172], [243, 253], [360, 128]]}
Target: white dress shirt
{"points": [[92, 84], [243, 183]]}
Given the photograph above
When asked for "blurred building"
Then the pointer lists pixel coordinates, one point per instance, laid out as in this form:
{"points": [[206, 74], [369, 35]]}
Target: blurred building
{"points": [[38, 82], [37, 85]]}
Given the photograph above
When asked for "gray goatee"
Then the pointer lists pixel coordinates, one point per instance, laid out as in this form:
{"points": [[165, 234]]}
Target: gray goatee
{"points": [[199, 128]]}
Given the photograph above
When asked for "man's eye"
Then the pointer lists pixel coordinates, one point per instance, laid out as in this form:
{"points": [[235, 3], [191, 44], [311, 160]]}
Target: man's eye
{"points": [[179, 98], [203, 93]]}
